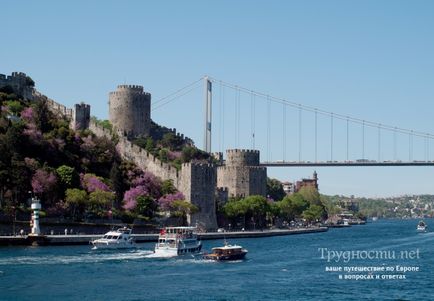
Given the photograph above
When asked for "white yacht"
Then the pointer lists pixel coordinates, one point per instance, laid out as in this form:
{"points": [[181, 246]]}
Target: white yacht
{"points": [[421, 227], [119, 239], [174, 241]]}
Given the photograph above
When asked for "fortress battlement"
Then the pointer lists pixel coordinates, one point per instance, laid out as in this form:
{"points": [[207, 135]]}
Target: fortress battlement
{"points": [[130, 87], [237, 150], [82, 105], [18, 74], [198, 164], [123, 92], [233, 168]]}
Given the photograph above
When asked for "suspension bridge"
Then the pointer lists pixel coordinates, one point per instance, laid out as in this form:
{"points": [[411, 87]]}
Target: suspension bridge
{"points": [[289, 133]]}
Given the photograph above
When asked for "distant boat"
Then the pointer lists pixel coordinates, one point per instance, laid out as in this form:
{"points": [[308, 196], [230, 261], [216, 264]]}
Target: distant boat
{"points": [[421, 227], [119, 239], [227, 252], [375, 218]]}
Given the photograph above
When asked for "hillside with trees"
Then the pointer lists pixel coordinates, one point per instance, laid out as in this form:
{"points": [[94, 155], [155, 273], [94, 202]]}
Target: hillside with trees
{"points": [[77, 175]]}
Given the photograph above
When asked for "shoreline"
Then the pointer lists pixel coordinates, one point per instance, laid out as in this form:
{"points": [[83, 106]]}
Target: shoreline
{"points": [[68, 240]]}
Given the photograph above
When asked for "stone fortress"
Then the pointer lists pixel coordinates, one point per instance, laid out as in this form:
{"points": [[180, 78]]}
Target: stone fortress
{"points": [[202, 184]]}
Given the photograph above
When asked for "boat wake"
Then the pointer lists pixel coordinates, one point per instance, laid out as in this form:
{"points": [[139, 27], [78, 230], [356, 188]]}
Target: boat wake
{"points": [[91, 257]]}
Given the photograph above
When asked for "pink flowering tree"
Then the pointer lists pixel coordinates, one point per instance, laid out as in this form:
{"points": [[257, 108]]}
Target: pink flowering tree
{"points": [[27, 114], [149, 182], [165, 202], [131, 196], [92, 183], [33, 133], [43, 181]]}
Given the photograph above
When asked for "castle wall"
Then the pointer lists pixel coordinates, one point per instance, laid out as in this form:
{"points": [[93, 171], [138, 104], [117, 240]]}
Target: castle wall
{"points": [[139, 156], [130, 110], [53, 106], [196, 181]]}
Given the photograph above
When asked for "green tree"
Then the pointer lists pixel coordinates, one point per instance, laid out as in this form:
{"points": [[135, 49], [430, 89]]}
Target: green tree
{"points": [[76, 199], [292, 206], [274, 212], [43, 116], [118, 184], [15, 107], [146, 206], [169, 140], [67, 175], [313, 213], [167, 187], [257, 208], [311, 195], [163, 155], [99, 202], [149, 145], [181, 209], [275, 189], [188, 153]]}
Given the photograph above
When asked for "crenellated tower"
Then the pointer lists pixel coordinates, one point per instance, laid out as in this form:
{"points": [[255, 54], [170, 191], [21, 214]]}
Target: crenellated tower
{"points": [[80, 116], [130, 110], [242, 175]]}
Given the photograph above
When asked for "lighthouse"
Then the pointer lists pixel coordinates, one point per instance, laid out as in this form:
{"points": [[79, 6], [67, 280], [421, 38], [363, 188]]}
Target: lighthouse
{"points": [[36, 206]]}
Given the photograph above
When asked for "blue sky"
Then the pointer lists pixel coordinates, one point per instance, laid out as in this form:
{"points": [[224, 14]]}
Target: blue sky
{"points": [[368, 59]]}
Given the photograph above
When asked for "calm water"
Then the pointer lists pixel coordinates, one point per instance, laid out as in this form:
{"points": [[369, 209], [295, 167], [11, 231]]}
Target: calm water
{"points": [[277, 268]]}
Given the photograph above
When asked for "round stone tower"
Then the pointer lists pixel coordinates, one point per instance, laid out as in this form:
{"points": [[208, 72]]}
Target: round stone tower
{"points": [[130, 110], [242, 157]]}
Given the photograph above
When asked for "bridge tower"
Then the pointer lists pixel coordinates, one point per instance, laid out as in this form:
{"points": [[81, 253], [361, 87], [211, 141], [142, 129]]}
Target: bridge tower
{"points": [[208, 114]]}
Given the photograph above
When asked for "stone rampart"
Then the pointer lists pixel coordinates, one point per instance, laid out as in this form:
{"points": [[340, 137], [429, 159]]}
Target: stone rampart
{"points": [[196, 181]]}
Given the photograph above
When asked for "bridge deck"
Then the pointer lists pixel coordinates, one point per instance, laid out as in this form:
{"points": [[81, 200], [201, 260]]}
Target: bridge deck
{"points": [[348, 163]]}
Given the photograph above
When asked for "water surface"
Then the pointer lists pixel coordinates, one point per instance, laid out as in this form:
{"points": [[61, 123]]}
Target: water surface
{"points": [[277, 268]]}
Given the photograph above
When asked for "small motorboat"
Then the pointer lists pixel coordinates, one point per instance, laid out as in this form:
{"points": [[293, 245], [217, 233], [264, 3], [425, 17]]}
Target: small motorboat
{"points": [[421, 227], [227, 252], [119, 239]]}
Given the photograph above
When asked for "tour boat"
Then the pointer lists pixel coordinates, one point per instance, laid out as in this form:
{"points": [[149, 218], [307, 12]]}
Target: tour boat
{"points": [[119, 239], [175, 241], [227, 252], [421, 227]]}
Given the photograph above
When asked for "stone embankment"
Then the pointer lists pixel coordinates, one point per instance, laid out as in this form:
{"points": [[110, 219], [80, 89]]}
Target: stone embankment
{"points": [[65, 240]]}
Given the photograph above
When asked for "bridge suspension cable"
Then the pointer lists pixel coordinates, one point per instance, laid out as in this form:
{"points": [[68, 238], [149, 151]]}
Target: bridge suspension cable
{"points": [[327, 113], [176, 95]]}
